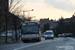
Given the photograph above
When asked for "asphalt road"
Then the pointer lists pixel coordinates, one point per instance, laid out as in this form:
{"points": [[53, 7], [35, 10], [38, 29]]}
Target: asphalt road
{"points": [[61, 43]]}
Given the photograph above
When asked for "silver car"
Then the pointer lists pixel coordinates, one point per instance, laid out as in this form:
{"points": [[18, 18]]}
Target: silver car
{"points": [[49, 35], [59, 35]]}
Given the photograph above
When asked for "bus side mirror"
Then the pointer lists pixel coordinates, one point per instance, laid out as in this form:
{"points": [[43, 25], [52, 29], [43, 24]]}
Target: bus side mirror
{"points": [[20, 26]]}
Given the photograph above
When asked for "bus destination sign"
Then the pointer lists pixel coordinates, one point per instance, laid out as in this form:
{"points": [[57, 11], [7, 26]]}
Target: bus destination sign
{"points": [[24, 24], [30, 23]]}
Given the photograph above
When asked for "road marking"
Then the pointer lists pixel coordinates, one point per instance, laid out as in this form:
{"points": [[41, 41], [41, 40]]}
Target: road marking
{"points": [[34, 44], [22, 42], [58, 39], [57, 49], [10, 44]]}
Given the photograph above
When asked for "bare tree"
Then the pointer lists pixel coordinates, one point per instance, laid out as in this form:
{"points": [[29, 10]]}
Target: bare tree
{"points": [[16, 7]]}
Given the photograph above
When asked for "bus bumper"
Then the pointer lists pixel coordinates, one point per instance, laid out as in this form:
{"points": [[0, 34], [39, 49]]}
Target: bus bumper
{"points": [[35, 38]]}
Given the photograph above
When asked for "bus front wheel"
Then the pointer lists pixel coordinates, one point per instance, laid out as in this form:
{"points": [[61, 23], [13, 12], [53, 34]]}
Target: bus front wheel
{"points": [[23, 41], [38, 40]]}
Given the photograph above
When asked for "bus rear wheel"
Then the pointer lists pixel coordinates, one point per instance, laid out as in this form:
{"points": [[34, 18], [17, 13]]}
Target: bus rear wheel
{"points": [[25, 41]]}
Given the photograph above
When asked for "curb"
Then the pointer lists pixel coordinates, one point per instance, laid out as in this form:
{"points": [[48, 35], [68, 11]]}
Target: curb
{"points": [[9, 42]]}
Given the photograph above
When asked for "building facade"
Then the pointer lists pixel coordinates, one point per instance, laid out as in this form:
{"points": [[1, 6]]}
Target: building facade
{"points": [[53, 24], [4, 9], [43, 22]]}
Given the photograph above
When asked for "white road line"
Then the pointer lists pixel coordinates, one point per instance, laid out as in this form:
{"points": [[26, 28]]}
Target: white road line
{"points": [[57, 49], [10, 44], [34, 44], [22, 42]]}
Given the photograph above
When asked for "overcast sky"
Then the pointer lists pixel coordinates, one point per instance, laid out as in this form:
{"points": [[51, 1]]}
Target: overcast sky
{"points": [[52, 9]]}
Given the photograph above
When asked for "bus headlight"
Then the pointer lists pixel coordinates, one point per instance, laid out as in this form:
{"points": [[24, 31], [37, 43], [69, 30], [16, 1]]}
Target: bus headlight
{"points": [[37, 35], [22, 36], [45, 35], [52, 35]]}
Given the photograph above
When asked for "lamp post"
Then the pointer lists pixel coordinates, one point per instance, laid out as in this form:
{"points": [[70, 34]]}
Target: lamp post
{"points": [[74, 14], [6, 15], [34, 16], [26, 11]]}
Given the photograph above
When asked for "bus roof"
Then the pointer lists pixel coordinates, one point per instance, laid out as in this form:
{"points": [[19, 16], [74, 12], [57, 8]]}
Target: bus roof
{"points": [[30, 22]]}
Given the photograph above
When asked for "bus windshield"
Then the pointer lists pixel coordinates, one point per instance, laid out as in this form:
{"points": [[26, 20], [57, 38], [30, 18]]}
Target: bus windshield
{"points": [[29, 29]]}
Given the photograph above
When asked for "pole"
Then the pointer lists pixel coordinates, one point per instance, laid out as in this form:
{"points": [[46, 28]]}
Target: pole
{"points": [[6, 29], [6, 15], [15, 28], [23, 15], [26, 11]]}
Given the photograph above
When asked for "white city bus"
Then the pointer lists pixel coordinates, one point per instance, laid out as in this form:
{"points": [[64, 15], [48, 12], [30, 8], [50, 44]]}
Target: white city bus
{"points": [[30, 30]]}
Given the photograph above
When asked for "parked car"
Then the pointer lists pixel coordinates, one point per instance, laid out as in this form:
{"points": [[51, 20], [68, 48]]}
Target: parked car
{"points": [[49, 35], [59, 35], [63, 35], [70, 34], [67, 35], [9, 34], [4, 34], [42, 35]]}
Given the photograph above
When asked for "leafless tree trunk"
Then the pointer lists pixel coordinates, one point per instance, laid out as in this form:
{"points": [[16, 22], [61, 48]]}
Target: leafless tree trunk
{"points": [[1, 16], [15, 7]]}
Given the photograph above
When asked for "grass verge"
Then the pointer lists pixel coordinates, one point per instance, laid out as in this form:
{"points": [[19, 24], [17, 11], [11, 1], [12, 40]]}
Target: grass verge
{"points": [[3, 37]]}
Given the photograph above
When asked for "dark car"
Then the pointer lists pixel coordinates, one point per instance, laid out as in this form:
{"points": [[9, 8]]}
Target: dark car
{"points": [[66, 35], [70, 35]]}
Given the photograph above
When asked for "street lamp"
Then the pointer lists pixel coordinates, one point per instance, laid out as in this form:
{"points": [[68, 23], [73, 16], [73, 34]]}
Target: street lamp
{"points": [[34, 16], [74, 14], [26, 11]]}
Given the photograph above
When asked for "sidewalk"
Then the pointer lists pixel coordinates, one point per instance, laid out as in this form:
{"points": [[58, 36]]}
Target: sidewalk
{"points": [[9, 41]]}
